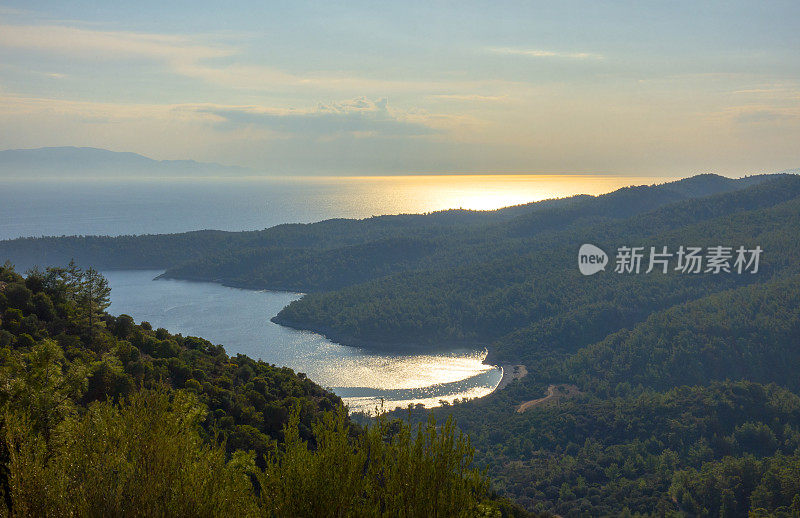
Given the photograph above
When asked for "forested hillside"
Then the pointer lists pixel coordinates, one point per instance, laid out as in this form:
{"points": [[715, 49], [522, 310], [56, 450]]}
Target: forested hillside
{"points": [[722, 449], [695, 406], [212, 246], [55, 317], [103, 417], [342, 252], [528, 290], [748, 333]]}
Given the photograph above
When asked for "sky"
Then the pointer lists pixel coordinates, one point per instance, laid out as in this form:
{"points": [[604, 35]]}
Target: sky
{"points": [[363, 88]]}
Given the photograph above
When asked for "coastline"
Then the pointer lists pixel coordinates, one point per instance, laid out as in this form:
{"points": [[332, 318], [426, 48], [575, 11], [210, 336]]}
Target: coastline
{"points": [[510, 373], [402, 347]]}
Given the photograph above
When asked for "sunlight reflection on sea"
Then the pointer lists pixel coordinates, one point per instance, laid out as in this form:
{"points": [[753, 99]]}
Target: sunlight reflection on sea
{"points": [[240, 320]]}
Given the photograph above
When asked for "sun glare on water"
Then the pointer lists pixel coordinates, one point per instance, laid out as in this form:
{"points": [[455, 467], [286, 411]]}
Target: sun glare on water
{"points": [[426, 193]]}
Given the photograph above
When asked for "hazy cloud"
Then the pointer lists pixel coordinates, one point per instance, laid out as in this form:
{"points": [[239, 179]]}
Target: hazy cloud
{"points": [[91, 111], [358, 116], [10, 11], [190, 56], [470, 97], [756, 116], [539, 53], [112, 45]]}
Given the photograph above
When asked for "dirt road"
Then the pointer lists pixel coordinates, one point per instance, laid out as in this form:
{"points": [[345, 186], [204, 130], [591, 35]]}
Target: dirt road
{"points": [[555, 393]]}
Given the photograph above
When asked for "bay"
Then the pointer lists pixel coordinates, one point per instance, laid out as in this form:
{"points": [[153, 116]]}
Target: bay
{"points": [[240, 319]]}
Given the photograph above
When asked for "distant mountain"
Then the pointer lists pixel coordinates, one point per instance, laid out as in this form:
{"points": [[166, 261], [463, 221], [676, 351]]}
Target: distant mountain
{"points": [[87, 161]]}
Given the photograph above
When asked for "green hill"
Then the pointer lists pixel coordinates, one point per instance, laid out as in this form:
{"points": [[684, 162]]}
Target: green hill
{"points": [[531, 292], [103, 417]]}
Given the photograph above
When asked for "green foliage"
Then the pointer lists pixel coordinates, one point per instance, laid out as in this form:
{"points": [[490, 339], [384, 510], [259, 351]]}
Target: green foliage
{"points": [[80, 354], [147, 457], [95, 424], [524, 296], [738, 486], [388, 470], [601, 455], [144, 458], [40, 383]]}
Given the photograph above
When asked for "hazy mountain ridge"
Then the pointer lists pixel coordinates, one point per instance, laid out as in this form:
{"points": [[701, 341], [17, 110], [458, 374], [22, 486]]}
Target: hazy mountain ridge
{"points": [[72, 161]]}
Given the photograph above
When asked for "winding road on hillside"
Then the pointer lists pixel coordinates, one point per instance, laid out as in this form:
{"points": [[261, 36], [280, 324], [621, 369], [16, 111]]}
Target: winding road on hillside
{"points": [[555, 393]]}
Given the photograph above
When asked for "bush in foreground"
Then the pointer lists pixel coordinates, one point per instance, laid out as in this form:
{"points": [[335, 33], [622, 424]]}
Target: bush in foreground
{"points": [[146, 457]]}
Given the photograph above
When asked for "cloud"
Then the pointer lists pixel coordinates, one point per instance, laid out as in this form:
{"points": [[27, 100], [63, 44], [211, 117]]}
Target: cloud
{"points": [[759, 116], [471, 97], [92, 111], [108, 45], [184, 55], [785, 93], [356, 117], [11, 11], [539, 53], [194, 57]]}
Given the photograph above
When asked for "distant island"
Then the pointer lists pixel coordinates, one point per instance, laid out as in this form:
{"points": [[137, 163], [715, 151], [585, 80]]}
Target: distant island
{"points": [[60, 162]]}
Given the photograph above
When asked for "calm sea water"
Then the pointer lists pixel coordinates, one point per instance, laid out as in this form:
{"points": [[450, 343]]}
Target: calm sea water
{"points": [[240, 319], [116, 207]]}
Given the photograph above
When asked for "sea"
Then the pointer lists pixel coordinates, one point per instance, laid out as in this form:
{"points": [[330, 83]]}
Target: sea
{"points": [[240, 319]]}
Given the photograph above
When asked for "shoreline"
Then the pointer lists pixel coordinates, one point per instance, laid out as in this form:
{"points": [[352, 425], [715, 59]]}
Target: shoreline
{"points": [[377, 345], [510, 373]]}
